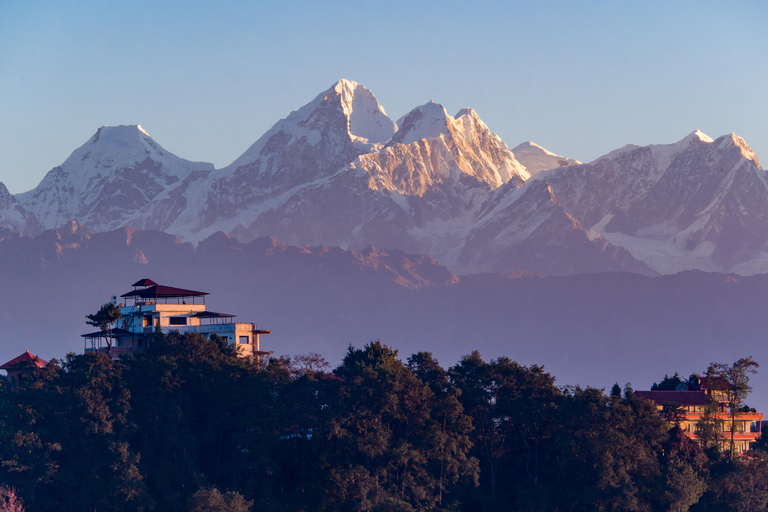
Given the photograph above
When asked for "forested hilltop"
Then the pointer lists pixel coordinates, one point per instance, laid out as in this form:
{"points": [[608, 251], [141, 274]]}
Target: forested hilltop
{"points": [[187, 425]]}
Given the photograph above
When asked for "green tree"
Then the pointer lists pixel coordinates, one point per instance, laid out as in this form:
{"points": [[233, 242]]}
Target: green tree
{"points": [[673, 413], [517, 414], [684, 472], [450, 435], [70, 430], [610, 452], [212, 500], [709, 426], [735, 378], [104, 319], [385, 445], [668, 384], [738, 486], [472, 376], [28, 455], [193, 402]]}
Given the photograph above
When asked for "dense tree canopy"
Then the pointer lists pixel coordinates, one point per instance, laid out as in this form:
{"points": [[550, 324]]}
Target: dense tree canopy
{"points": [[187, 425]]}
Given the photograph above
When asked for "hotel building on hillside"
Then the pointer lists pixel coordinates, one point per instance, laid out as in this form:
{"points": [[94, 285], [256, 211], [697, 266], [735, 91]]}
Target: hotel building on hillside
{"points": [[693, 398], [151, 306]]}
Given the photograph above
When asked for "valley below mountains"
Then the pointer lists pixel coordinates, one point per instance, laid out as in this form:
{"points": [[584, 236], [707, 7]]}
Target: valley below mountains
{"points": [[340, 226], [589, 329]]}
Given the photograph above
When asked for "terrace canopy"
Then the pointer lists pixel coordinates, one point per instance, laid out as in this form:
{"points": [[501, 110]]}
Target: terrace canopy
{"points": [[211, 317]]}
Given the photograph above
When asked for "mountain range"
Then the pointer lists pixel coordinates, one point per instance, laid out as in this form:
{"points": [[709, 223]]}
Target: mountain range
{"points": [[340, 172]]}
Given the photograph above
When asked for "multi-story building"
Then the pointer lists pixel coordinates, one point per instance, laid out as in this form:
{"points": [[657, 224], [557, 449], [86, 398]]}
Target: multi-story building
{"points": [[706, 399], [152, 307]]}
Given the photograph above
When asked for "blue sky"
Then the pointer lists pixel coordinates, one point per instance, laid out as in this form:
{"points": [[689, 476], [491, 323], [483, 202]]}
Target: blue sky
{"points": [[207, 79]]}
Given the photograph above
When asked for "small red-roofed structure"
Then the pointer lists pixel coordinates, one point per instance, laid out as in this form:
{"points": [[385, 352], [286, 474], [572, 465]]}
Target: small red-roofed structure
{"points": [[25, 363]]}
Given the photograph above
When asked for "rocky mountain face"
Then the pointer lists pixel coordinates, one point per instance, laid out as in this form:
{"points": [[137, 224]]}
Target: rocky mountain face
{"points": [[13, 216], [107, 182], [310, 145], [528, 229], [338, 171], [698, 203], [418, 193]]}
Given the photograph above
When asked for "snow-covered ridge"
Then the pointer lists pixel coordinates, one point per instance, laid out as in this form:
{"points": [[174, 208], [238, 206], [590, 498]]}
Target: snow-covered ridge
{"points": [[119, 170], [425, 122], [432, 149], [537, 159], [734, 140], [365, 125], [118, 147], [698, 203], [14, 217], [339, 171], [368, 121]]}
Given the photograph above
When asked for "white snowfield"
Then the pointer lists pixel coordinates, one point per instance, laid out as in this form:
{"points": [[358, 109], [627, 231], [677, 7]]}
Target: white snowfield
{"points": [[694, 204], [106, 180], [536, 159], [339, 171]]}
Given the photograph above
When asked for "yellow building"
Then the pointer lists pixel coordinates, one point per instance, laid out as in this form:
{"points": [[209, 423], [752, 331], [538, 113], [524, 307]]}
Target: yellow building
{"points": [[151, 306], [694, 398]]}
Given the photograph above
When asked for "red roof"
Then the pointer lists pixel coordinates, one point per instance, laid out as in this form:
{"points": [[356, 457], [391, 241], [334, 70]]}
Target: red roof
{"points": [[677, 397], [144, 282], [159, 290], [23, 358]]}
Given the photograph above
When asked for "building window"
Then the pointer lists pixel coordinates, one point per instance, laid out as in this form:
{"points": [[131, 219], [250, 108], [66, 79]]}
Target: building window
{"points": [[147, 320], [244, 340], [178, 320]]}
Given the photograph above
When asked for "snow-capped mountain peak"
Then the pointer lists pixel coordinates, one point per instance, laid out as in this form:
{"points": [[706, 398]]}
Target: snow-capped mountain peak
{"points": [[339, 171], [124, 146], [368, 121], [663, 153], [699, 135], [470, 123], [124, 133], [733, 140], [466, 111], [536, 158], [117, 171], [342, 122], [433, 151], [425, 122]]}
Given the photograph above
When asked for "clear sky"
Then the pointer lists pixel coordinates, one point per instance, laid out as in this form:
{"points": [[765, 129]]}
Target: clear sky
{"points": [[206, 79]]}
